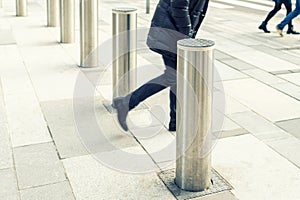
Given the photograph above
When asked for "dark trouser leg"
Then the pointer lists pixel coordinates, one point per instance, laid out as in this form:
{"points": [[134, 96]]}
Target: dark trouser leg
{"points": [[288, 7], [148, 89], [271, 14], [168, 78], [171, 79]]}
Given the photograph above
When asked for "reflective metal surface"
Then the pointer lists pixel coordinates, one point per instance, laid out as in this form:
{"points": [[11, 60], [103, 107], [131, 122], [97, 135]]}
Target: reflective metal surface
{"points": [[88, 33], [53, 13], [21, 8], [124, 50], [194, 114], [67, 21]]}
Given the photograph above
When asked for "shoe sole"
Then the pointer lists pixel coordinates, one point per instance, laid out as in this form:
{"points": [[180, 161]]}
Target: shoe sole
{"points": [[261, 28], [279, 31]]}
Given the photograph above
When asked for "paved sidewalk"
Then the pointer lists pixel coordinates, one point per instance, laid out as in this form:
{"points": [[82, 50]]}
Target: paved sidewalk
{"points": [[46, 141]]}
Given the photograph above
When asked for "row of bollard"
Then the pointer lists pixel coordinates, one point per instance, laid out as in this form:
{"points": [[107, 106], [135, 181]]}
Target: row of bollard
{"points": [[194, 79], [21, 8], [62, 13]]}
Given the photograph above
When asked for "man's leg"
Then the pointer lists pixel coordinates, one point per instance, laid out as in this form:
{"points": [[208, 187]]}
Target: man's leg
{"points": [[288, 6], [125, 104], [148, 89], [171, 79], [271, 14], [276, 8], [289, 18]]}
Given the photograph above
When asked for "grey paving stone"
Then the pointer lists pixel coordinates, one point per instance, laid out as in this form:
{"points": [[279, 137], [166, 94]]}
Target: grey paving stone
{"points": [[278, 53], [58, 191], [6, 160], [255, 170], [263, 76], [288, 148], [60, 119], [223, 72], [38, 165], [292, 77], [228, 129], [161, 147], [26, 123], [227, 195], [91, 180], [281, 72], [289, 89], [8, 185], [2, 107], [5, 144], [220, 55], [232, 133], [263, 99], [238, 64], [6, 37], [75, 138], [258, 126], [292, 126]]}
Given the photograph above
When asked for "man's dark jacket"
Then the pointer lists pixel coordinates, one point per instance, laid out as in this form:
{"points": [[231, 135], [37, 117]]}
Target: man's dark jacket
{"points": [[174, 20]]}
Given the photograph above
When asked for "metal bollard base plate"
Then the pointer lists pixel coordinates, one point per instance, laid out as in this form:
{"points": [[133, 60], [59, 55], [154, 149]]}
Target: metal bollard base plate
{"points": [[219, 185]]}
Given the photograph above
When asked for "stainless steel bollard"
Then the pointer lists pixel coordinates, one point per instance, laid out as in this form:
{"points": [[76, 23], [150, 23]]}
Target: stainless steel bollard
{"points": [[52, 13], [67, 21], [124, 50], [194, 113], [88, 33], [21, 8], [147, 6]]}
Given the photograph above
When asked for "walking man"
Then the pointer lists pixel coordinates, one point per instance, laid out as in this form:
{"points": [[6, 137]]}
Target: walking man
{"points": [[180, 16], [277, 7], [288, 18]]}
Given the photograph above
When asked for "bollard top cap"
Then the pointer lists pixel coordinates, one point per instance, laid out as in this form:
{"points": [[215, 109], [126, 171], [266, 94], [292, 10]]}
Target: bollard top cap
{"points": [[124, 10], [195, 44]]}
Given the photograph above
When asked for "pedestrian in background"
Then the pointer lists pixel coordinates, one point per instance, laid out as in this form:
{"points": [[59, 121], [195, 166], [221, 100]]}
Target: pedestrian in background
{"points": [[288, 18], [171, 16], [277, 7]]}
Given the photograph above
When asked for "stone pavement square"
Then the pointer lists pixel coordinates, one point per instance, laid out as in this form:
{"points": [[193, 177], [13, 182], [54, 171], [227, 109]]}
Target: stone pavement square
{"points": [[6, 37], [8, 182], [291, 126], [6, 160], [38, 165], [91, 180], [262, 173], [57, 191]]}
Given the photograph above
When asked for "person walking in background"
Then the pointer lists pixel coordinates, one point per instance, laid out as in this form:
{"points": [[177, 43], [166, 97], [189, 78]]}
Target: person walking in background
{"points": [[277, 7], [172, 20], [288, 18]]}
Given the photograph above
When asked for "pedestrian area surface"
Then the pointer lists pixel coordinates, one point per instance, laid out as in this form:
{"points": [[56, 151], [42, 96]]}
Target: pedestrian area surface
{"points": [[46, 141]]}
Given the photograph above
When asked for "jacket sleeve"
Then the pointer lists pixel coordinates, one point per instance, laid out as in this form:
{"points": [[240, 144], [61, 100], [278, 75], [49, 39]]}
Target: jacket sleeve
{"points": [[180, 15]]}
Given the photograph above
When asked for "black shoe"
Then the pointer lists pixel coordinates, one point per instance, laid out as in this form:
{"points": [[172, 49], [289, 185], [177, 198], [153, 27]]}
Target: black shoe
{"points": [[122, 106], [291, 31], [263, 27], [172, 126]]}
